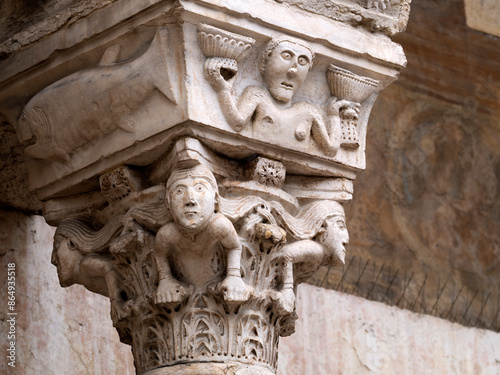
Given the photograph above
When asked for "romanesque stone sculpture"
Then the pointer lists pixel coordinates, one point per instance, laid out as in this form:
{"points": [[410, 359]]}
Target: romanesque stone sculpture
{"points": [[195, 238], [102, 100], [283, 65], [195, 162], [214, 256], [81, 257]]}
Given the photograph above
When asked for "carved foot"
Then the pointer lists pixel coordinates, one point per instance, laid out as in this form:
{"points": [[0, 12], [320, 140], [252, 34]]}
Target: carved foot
{"points": [[126, 243]]}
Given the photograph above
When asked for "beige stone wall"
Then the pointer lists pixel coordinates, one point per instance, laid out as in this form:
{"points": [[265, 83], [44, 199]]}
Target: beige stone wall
{"points": [[68, 331], [342, 334], [58, 331]]}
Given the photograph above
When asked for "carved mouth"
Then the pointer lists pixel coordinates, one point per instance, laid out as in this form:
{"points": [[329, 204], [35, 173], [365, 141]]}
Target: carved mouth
{"points": [[287, 85]]}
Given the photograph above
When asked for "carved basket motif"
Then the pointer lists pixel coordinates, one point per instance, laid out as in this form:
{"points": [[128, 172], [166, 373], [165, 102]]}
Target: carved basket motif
{"points": [[215, 42], [346, 85]]}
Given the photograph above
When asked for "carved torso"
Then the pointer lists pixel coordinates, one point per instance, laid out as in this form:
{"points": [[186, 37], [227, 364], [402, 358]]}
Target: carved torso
{"points": [[275, 120], [190, 250]]}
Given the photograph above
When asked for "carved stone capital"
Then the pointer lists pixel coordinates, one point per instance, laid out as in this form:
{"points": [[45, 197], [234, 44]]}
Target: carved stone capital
{"points": [[195, 156]]}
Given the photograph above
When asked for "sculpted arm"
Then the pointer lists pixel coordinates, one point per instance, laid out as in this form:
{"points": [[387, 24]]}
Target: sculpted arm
{"points": [[328, 135], [233, 287], [328, 142], [231, 245], [162, 250], [308, 252], [237, 115], [169, 289]]}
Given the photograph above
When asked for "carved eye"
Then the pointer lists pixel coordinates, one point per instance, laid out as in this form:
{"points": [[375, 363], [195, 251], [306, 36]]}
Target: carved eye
{"points": [[179, 191], [303, 60], [286, 55], [199, 188], [341, 224]]}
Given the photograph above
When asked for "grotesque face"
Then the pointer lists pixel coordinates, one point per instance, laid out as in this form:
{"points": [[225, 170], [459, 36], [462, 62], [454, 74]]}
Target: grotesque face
{"points": [[286, 69], [66, 259], [336, 238], [192, 202]]}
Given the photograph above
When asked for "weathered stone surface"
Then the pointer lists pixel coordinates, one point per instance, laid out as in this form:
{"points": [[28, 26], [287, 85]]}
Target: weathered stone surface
{"points": [[482, 15], [14, 193], [193, 274], [448, 60], [25, 23], [57, 331], [343, 334]]}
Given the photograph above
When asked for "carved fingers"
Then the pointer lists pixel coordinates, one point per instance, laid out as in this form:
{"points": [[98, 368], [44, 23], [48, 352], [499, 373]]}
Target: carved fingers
{"points": [[169, 291], [271, 232], [234, 289], [220, 73], [343, 108], [379, 4]]}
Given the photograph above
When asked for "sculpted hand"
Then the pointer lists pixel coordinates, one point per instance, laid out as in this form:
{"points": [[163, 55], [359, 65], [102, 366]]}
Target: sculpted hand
{"points": [[169, 291], [234, 289], [286, 300], [213, 72], [379, 4], [334, 107]]}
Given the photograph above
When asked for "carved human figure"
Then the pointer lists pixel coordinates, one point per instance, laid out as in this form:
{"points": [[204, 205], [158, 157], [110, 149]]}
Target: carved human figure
{"points": [[302, 258], [79, 258], [284, 65], [191, 249]]}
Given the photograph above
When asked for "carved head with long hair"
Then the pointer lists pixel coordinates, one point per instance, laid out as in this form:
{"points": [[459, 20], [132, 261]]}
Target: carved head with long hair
{"points": [[74, 239]]}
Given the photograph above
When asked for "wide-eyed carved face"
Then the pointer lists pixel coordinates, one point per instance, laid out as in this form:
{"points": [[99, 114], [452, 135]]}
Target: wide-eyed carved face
{"points": [[336, 238], [66, 259], [192, 202], [286, 69]]}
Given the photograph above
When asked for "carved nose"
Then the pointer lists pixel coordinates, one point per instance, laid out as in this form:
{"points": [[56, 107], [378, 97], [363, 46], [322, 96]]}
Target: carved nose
{"points": [[190, 197], [345, 242], [53, 258], [292, 72]]}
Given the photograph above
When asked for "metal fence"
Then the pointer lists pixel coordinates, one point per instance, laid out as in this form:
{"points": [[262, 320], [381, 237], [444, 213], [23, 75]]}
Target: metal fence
{"points": [[421, 293]]}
